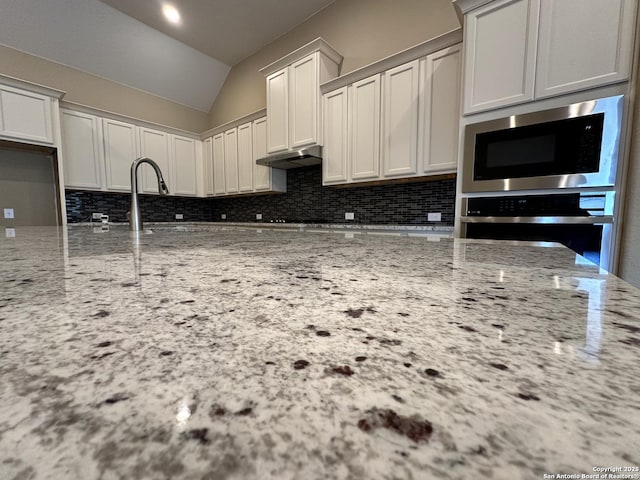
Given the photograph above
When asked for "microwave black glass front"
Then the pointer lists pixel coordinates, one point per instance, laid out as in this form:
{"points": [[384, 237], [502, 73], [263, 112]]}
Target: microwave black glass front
{"points": [[572, 146]]}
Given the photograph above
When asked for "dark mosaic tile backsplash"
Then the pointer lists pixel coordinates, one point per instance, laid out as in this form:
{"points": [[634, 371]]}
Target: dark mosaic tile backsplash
{"points": [[306, 200], [153, 208]]}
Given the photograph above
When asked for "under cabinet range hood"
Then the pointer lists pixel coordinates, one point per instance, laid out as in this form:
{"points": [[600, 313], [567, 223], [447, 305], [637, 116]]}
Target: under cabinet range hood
{"points": [[303, 157]]}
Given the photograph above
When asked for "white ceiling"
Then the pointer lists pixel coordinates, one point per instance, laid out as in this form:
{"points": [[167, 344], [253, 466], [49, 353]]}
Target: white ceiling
{"points": [[94, 37], [229, 30]]}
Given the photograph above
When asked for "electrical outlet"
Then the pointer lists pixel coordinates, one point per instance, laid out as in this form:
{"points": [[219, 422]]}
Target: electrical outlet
{"points": [[223, 216], [8, 213], [96, 216], [434, 217], [258, 216], [179, 216], [10, 232], [349, 216]]}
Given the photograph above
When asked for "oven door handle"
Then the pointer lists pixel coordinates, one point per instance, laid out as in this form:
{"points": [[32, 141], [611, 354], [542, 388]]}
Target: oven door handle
{"points": [[555, 220]]}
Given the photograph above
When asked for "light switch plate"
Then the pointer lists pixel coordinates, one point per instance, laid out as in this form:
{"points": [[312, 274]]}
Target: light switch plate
{"points": [[434, 217], [179, 216], [8, 213], [223, 216], [258, 216], [349, 216]]}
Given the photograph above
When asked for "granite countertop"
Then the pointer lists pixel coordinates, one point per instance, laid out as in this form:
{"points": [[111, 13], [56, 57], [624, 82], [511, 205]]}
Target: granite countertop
{"points": [[222, 353], [443, 230]]}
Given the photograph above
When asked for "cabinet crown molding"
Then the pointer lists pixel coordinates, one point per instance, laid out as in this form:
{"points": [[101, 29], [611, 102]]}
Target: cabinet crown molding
{"points": [[234, 123], [317, 45], [465, 6], [31, 87]]}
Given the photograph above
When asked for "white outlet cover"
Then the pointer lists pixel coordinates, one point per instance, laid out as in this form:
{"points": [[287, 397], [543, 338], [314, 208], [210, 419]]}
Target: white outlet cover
{"points": [[434, 217], [96, 216], [8, 213], [10, 232], [223, 216], [179, 216], [258, 216], [349, 216]]}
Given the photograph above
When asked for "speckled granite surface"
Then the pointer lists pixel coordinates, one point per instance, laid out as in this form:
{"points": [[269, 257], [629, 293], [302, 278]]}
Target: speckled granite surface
{"points": [[227, 354]]}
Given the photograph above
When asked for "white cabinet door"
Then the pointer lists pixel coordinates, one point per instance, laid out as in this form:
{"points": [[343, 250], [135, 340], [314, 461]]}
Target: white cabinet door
{"points": [[154, 145], [245, 158], [120, 150], [400, 127], [231, 160], [440, 110], [365, 128], [207, 154], [500, 53], [25, 116], [583, 44], [261, 174], [336, 137], [82, 150], [278, 110], [219, 185], [303, 106], [185, 159]]}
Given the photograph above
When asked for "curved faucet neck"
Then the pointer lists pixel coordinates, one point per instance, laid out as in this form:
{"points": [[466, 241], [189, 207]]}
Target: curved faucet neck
{"points": [[135, 221]]}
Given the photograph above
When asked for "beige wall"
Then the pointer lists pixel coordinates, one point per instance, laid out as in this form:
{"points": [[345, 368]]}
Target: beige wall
{"points": [[363, 31], [100, 93], [629, 264]]}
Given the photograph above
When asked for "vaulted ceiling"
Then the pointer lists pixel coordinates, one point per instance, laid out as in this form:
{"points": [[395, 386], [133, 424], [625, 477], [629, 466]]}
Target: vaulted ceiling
{"points": [[131, 43]]}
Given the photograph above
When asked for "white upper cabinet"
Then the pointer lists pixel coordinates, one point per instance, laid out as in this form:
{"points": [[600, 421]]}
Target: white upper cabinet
{"points": [[400, 123], [440, 110], [265, 178], [304, 89], [500, 54], [365, 128], [83, 150], [261, 174], [25, 116], [521, 50], [245, 157], [184, 157], [400, 120], [98, 153], [293, 95], [120, 150], [207, 158], [154, 145], [336, 125], [231, 160], [278, 108], [583, 44], [219, 186]]}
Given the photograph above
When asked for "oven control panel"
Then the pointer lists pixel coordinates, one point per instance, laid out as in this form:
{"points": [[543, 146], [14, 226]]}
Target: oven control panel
{"points": [[572, 204]]}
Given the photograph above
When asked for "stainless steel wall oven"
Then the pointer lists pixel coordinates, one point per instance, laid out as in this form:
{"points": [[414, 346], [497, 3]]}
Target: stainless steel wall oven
{"points": [[581, 221]]}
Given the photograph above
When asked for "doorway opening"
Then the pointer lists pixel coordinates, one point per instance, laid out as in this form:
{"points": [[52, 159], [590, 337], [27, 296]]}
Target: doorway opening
{"points": [[29, 185]]}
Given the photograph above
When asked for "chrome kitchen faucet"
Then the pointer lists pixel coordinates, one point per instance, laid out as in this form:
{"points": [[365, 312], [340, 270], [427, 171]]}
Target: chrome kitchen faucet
{"points": [[135, 222]]}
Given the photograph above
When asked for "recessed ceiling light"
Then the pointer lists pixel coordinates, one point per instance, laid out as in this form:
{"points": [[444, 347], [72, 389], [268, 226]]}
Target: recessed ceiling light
{"points": [[171, 13]]}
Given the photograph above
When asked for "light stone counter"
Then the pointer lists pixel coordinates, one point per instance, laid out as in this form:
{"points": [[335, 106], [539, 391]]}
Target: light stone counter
{"points": [[225, 353]]}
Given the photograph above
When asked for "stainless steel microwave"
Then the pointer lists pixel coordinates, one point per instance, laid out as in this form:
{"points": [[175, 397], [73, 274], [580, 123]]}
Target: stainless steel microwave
{"points": [[572, 146]]}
